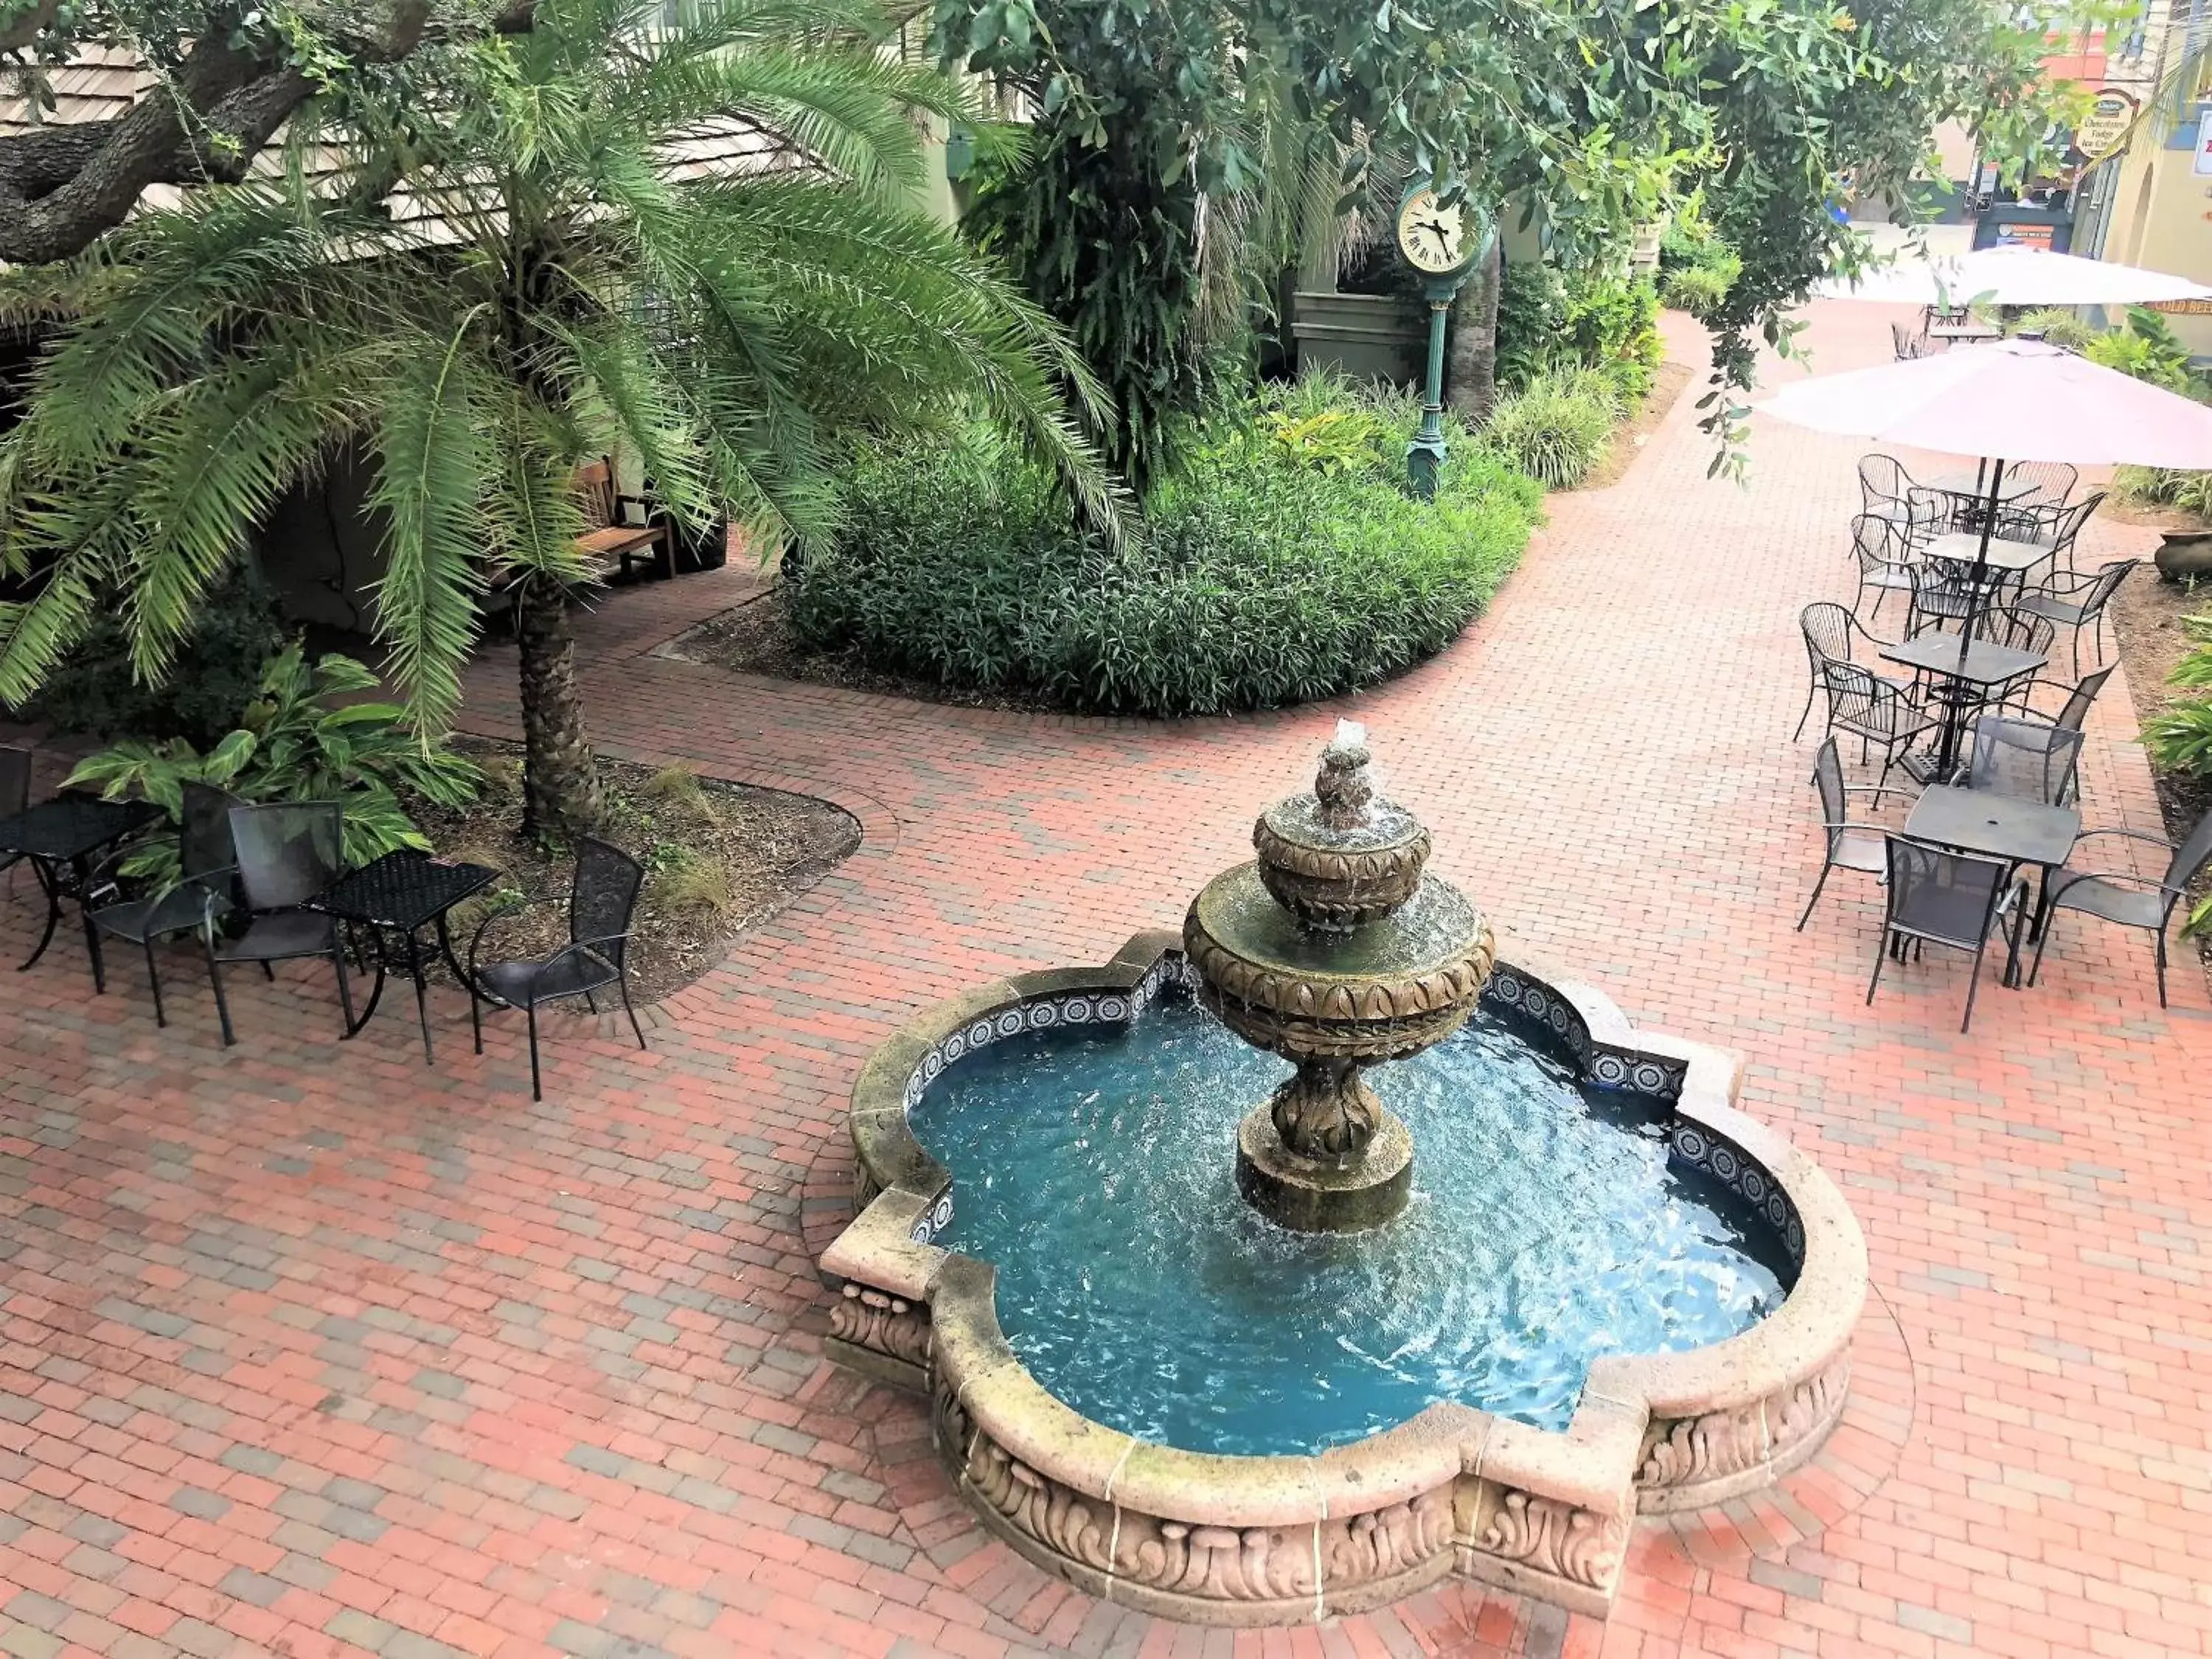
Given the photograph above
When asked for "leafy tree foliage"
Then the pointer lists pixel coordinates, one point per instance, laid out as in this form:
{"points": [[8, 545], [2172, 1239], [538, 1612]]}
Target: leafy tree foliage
{"points": [[1154, 110], [576, 301]]}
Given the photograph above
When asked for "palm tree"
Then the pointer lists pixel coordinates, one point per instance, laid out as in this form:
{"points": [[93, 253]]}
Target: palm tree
{"points": [[507, 275]]}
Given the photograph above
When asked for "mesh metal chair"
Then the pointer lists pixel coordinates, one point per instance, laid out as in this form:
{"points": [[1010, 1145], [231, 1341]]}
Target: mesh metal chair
{"points": [[2004, 624], [1956, 900], [1905, 343], [288, 853], [2123, 897], [15, 793], [2023, 759], [597, 955], [1884, 552], [1875, 711], [1850, 845], [205, 894], [2080, 697], [1942, 591], [2056, 523], [2078, 602]]}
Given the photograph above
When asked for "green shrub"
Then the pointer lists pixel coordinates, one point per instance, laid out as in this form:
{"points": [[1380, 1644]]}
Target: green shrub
{"points": [[2060, 326], [2148, 349], [1612, 322], [2160, 486], [1531, 309], [1263, 578], [1556, 427], [217, 672], [1698, 289], [297, 740]]}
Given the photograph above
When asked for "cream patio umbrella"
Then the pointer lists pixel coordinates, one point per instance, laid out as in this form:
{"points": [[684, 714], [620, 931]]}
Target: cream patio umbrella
{"points": [[2013, 276], [2009, 401]]}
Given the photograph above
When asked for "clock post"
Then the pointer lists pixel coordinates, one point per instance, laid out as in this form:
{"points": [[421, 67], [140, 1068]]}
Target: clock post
{"points": [[1434, 239], [1424, 456]]}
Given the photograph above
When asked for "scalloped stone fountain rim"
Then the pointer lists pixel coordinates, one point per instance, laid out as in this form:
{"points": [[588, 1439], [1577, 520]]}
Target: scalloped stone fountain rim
{"points": [[1259, 1541]]}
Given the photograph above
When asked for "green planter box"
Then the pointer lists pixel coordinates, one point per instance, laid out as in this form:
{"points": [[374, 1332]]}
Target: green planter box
{"points": [[1364, 336]]}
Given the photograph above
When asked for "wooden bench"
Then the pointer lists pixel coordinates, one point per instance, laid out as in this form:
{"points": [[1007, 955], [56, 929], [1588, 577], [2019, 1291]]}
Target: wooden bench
{"points": [[614, 537], [609, 544]]}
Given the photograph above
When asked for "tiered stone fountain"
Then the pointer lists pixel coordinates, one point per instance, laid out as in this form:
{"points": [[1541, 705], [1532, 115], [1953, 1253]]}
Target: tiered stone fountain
{"points": [[1335, 949]]}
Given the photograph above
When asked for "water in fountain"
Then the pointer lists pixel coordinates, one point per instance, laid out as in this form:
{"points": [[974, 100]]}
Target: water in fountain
{"points": [[1545, 1229]]}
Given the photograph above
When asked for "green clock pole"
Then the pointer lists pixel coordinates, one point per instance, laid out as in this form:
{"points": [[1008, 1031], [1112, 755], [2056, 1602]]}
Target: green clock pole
{"points": [[1424, 456]]}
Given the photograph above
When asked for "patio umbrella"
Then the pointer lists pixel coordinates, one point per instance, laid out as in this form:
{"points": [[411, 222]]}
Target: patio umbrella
{"points": [[2012, 400], [2014, 276]]}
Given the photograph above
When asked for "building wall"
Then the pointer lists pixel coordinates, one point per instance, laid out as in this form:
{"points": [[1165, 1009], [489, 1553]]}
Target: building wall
{"points": [[2161, 211]]}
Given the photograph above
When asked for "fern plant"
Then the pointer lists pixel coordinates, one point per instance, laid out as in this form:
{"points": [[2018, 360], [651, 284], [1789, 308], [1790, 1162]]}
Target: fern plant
{"points": [[569, 298]]}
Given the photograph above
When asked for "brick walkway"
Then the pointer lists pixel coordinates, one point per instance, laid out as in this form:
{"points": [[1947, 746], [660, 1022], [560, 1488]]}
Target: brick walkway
{"points": [[312, 1350]]}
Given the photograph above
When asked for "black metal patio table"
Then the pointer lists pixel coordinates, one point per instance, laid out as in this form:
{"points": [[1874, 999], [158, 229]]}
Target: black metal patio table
{"points": [[59, 837], [2006, 557], [1964, 680], [1999, 827], [400, 895]]}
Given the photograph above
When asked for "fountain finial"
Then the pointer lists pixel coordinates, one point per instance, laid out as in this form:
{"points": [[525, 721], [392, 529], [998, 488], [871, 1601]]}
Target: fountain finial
{"points": [[1343, 785], [1342, 856]]}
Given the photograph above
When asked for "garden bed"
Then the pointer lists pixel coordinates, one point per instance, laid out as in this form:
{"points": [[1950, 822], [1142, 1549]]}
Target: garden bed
{"points": [[2146, 616], [719, 858], [756, 637], [1635, 428]]}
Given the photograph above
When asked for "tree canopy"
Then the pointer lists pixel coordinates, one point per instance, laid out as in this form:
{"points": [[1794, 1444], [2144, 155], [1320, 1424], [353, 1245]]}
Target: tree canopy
{"points": [[511, 278], [1580, 110]]}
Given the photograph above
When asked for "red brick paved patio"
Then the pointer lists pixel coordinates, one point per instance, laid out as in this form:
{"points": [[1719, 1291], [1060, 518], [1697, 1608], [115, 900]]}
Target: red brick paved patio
{"points": [[307, 1349]]}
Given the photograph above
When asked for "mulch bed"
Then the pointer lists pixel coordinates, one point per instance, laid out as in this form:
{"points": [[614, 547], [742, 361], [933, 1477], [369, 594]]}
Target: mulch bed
{"points": [[1632, 434], [2147, 614], [719, 858], [756, 638]]}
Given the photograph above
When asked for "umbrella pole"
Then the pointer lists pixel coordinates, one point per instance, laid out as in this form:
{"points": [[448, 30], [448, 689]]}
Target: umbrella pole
{"points": [[1974, 583]]}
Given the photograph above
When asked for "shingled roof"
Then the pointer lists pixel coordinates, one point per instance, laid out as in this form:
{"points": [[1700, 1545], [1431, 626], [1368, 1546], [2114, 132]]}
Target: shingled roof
{"points": [[100, 83]]}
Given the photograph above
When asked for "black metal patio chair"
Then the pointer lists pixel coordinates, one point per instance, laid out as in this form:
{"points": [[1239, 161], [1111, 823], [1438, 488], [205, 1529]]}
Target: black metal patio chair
{"points": [[1849, 845], [2078, 602], [288, 853], [600, 905], [2002, 624], [2020, 710], [2057, 524], [15, 793], [1832, 633], [1884, 553], [1879, 713], [1956, 900], [2122, 897], [2026, 760], [1887, 491], [1943, 591], [205, 892]]}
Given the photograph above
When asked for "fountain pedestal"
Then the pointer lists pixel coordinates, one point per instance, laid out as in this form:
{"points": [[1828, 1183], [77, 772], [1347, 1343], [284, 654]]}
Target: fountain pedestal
{"points": [[1334, 950], [1310, 1196]]}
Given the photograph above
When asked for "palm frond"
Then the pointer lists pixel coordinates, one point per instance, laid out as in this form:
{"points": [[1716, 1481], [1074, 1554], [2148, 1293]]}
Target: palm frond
{"points": [[431, 465]]}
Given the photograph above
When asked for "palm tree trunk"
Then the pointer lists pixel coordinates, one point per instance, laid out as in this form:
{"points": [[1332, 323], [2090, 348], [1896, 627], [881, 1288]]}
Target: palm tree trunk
{"points": [[1471, 362], [559, 778]]}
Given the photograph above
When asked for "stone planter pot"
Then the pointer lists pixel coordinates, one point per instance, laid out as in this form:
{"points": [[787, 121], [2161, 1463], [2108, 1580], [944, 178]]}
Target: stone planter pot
{"points": [[2183, 554]]}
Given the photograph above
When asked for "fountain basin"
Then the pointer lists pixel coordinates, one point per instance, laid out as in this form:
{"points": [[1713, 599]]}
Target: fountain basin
{"points": [[1263, 1539]]}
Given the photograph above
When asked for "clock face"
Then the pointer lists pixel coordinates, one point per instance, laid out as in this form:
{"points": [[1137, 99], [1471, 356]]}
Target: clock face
{"points": [[1433, 238]]}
